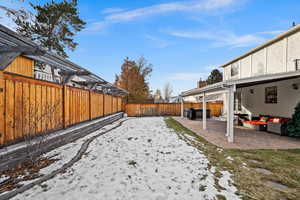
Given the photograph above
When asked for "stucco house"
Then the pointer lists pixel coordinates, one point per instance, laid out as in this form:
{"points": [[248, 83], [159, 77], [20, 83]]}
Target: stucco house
{"points": [[263, 81]]}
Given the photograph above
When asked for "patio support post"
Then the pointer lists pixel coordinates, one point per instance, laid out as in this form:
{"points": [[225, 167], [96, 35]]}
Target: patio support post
{"points": [[204, 112], [227, 113], [230, 111], [181, 107]]}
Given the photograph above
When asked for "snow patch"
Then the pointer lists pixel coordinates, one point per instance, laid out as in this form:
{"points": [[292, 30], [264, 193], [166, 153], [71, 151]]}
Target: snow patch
{"points": [[154, 164]]}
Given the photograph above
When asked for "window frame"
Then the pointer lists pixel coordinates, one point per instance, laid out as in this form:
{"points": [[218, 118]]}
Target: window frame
{"points": [[271, 95], [235, 69]]}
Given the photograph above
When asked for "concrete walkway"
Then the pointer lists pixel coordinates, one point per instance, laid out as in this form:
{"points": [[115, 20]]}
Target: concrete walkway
{"points": [[244, 138]]}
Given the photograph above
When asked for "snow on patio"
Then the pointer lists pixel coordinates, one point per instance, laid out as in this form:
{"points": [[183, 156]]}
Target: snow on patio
{"points": [[142, 159]]}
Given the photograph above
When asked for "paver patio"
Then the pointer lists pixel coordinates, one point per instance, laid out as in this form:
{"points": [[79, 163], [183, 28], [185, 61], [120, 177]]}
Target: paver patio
{"points": [[244, 138]]}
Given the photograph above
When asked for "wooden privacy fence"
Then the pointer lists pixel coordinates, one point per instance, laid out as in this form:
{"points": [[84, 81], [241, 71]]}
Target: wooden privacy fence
{"points": [[174, 109], [29, 106]]}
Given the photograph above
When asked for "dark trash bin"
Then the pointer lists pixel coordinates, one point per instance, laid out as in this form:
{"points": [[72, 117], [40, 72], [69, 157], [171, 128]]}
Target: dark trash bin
{"points": [[199, 113], [192, 114], [186, 112]]}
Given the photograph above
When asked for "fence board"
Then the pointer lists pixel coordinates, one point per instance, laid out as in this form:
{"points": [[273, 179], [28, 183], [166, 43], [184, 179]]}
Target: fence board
{"points": [[107, 104], [161, 109], [2, 108], [18, 109], [9, 111], [43, 107], [96, 105], [29, 106], [119, 104], [26, 96], [115, 105]]}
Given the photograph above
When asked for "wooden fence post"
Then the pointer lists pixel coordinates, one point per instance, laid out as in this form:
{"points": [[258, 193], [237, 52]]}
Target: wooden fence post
{"points": [[112, 104], [157, 109], [103, 102], [90, 106], [2, 108], [65, 107]]}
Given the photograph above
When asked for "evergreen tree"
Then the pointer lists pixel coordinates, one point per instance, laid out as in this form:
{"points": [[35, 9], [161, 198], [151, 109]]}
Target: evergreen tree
{"points": [[214, 77], [53, 25], [294, 124]]}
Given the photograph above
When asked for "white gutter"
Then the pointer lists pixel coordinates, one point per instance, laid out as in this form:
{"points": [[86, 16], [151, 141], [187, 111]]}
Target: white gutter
{"points": [[229, 83]]}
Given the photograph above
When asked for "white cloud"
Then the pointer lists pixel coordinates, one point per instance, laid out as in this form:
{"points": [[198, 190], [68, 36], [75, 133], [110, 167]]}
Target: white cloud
{"points": [[225, 38], [270, 32], [112, 10], [158, 42], [178, 6]]}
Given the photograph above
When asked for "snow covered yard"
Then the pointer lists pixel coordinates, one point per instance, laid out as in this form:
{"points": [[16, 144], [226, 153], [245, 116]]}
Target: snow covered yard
{"points": [[142, 159]]}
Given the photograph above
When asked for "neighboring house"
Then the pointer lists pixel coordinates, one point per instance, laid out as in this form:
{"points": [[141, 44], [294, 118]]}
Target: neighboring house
{"points": [[262, 81], [175, 99], [201, 83], [157, 97], [214, 98], [158, 100], [77, 81], [46, 72], [21, 56]]}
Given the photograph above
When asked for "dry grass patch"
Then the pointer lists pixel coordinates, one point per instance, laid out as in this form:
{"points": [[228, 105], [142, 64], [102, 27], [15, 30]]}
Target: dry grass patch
{"points": [[25, 171], [284, 165]]}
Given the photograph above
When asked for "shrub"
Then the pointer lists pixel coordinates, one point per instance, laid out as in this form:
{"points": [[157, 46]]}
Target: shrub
{"points": [[294, 124]]}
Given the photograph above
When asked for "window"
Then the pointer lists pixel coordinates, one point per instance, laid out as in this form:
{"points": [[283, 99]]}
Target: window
{"points": [[234, 69], [271, 94]]}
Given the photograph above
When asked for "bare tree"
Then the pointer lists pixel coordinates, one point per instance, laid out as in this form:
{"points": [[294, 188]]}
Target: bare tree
{"points": [[157, 96], [144, 67], [168, 90], [39, 121]]}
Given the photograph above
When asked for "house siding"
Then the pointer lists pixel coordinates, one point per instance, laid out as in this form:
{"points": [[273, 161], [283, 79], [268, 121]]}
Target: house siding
{"points": [[275, 58], [293, 50], [246, 67], [254, 104], [22, 66], [278, 57], [258, 63]]}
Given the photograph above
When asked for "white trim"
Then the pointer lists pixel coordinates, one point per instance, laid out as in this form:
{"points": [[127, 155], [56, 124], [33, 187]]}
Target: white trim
{"points": [[220, 86], [240, 68], [230, 111], [285, 54], [266, 60], [251, 70], [181, 105], [204, 113]]}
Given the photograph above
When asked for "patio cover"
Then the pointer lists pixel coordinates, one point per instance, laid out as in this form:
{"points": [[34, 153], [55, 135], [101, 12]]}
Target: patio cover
{"points": [[229, 87]]}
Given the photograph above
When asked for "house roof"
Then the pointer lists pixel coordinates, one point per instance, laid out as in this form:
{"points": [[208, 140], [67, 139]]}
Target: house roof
{"points": [[245, 82], [20, 45], [268, 43]]}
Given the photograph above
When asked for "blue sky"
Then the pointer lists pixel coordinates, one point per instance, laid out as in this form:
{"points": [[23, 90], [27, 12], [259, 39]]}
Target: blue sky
{"points": [[183, 39]]}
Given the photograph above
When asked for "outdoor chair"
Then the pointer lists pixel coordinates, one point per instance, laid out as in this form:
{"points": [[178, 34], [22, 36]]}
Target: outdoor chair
{"points": [[278, 126]]}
